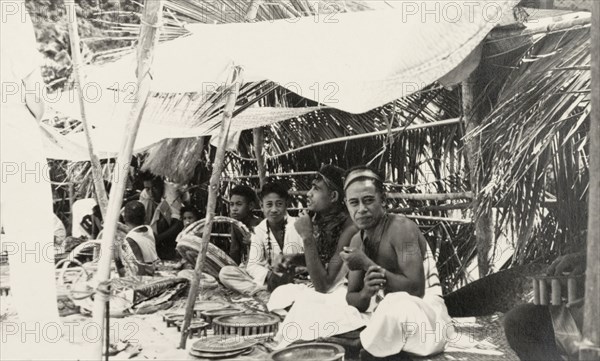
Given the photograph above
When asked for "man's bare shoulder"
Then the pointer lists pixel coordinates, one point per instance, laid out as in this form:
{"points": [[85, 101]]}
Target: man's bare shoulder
{"points": [[356, 240], [400, 223], [349, 227], [404, 231]]}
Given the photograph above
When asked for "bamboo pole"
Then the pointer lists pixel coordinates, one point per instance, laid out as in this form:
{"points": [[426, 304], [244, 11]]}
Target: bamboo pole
{"points": [[148, 39], [440, 219], [547, 25], [233, 87], [259, 139], [252, 11], [442, 207], [71, 201], [430, 196], [258, 134], [77, 63], [413, 196], [590, 349], [472, 116], [368, 135], [292, 174]]}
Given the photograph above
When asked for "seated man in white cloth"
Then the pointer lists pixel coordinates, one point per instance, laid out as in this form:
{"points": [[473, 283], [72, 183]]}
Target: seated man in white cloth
{"points": [[274, 237], [325, 231], [393, 278]]}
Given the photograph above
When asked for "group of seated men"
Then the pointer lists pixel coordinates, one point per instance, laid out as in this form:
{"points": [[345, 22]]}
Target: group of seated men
{"points": [[368, 270]]}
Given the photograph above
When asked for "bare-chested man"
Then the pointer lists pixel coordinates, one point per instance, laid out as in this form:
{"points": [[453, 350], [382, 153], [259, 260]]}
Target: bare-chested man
{"points": [[393, 278]]}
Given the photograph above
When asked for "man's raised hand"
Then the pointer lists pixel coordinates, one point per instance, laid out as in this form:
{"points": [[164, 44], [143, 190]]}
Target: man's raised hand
{"points": [[356, 259], [304, 226], [374, 281]]}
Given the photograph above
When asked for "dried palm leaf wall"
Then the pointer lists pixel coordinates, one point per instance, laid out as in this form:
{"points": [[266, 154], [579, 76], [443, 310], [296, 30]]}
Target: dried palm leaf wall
{"points": [[534, 160]]}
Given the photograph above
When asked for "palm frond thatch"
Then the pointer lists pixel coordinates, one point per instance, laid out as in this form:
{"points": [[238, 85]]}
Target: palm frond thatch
{"points": [[537, 144]]}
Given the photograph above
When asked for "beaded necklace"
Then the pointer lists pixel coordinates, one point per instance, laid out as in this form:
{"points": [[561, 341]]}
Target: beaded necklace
{"points": [[270, 247]]}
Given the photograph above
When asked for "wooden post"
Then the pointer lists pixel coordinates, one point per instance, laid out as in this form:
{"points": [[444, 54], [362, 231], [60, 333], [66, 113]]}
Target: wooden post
{"points": [[472, 117], [71, 201], [77, 63], [148, 39], [259, 140], [590, 348], [258, 134], [252, 11], [233, 86]]}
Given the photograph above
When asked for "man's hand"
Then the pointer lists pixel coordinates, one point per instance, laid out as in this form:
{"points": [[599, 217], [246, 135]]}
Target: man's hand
{"points": [[374, 281], [356, 259], [304, 226], [282, 263], [573, 264]]}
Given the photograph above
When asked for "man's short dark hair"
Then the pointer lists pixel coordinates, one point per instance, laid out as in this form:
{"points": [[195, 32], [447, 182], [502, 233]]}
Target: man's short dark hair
{"points": [[274, 187], [191, 209], [246, 192], [134, 213], [377, 181], [158, 183]]}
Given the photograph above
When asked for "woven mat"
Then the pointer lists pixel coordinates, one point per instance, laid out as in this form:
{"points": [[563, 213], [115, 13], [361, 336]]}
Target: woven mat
{"points": [[484, 335], [479, 339]]}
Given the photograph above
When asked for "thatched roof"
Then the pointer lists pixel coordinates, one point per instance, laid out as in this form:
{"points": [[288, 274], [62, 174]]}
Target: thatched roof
{"points": [[537, 90]]}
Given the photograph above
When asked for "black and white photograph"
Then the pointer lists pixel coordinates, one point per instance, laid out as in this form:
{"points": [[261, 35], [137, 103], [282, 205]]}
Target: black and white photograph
{"points": [[300, 180]]}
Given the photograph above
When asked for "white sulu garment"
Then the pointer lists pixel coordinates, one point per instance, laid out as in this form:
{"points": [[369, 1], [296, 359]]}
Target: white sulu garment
{"points": [[401, 322]]}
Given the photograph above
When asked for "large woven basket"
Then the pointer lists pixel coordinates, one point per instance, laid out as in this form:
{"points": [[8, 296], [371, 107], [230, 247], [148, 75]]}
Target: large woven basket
{"points": [[189, 244]]}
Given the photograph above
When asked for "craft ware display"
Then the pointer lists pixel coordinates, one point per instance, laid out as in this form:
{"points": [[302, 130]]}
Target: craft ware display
{"points": [[172, 318], [556, 290], [210, 315], [314, 351], [202, 306], [197, 327], [220, 347], [246, 324]]}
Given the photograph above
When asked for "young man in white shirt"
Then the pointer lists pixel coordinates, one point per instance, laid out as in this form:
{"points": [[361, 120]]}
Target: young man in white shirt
{"points": [[273, 238]]}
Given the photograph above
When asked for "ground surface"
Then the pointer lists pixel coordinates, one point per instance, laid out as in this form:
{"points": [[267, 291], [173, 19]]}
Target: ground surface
{"points": [[146, 337]]}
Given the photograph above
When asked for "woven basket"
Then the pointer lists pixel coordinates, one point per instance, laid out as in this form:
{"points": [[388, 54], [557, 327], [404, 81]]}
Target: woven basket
{"points": [[189, 244]]}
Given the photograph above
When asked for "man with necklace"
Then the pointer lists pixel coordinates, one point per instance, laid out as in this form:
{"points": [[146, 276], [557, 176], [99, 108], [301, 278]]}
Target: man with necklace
{"points": [[325, 230], [273, 239]]}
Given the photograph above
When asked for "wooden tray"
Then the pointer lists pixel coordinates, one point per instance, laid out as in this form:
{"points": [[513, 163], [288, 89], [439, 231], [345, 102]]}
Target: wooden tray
{"points": [[314, 351], [221, 355], [246, 324], [210, 305], [221, 344]]}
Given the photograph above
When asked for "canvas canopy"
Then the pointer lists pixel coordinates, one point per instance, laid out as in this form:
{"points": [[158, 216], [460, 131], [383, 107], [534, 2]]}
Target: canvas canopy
{"points": [[350, 61]]}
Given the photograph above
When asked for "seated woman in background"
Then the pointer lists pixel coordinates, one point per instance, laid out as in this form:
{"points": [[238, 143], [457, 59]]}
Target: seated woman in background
{"points": [[159, 216], [140, 238], [189, 215]]}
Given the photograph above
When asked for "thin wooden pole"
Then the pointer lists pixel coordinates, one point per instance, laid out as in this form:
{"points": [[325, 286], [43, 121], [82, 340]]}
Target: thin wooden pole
{"points": [[259, 139], [148, 39], [233, 88], [590, 349], [77, 63], [368, 135], [430, 196], [252, 10], [71, 201], [258, 134], [472, 117], [413, 196]]}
